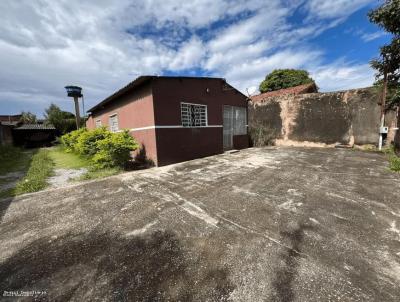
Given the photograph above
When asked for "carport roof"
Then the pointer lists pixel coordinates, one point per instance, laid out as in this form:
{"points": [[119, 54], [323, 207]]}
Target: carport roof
{"points": [[36, 127]]}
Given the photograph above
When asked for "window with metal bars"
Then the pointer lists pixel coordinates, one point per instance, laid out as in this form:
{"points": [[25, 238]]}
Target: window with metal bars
{"points": [[193, 115]]}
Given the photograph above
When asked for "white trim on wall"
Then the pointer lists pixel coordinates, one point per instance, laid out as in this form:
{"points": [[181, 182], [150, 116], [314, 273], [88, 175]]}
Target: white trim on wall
{"points": [[171, 127]]}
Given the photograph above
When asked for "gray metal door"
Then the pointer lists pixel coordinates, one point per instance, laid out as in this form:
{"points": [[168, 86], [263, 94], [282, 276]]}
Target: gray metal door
{"points": [[228, 128]]}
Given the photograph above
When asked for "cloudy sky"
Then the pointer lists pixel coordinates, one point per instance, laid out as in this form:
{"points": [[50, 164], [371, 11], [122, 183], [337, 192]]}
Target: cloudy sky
{"points": [[102, 45]]}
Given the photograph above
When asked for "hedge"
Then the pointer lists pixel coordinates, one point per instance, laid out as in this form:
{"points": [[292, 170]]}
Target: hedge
{"points": [[103, 148]]}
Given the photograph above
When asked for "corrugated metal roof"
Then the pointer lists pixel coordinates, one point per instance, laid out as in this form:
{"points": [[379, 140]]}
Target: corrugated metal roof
{"points": [[140, 81], [36, 127]]}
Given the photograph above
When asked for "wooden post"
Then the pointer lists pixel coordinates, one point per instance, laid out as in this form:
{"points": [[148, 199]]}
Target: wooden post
{"points": [[77, 115]]}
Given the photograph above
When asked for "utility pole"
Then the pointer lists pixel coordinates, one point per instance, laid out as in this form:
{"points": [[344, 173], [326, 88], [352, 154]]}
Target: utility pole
{"points": [[382, 128]]}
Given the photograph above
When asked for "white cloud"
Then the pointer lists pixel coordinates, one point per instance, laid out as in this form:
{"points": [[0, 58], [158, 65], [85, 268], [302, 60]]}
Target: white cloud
{"points": [[335, 8], [102, 45], [340, 75], [189, 55], [367, 37], [249, 74]]}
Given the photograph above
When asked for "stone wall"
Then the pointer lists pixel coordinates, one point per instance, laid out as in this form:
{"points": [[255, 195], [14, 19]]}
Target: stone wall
{"points": [[344, 117]]}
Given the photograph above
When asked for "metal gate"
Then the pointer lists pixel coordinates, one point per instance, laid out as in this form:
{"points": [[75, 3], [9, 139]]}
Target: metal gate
{"points": [[228, 128]]}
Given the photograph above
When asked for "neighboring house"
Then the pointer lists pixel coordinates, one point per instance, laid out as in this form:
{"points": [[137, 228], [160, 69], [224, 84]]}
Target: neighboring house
{"points": [[7, 124], [306, 88], [177, 118]]}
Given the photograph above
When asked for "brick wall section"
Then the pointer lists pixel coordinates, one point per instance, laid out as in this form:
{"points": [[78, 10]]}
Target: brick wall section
{"points": [[346, 117]]}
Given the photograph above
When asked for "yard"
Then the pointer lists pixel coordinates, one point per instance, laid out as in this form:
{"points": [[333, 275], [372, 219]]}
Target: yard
{"points": [[30, 170], [264, 224]]}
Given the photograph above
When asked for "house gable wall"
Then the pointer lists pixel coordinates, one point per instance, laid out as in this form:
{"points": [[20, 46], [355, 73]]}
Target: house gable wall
{"points": [[135, 111]]}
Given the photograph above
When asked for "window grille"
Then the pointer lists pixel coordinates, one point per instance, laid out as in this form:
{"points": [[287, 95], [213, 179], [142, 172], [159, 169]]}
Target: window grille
{"points": [[98, 123], [193, 115], [114, 123]]}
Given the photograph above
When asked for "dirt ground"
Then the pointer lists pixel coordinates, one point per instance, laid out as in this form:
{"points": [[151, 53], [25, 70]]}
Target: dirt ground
{"points": [[264, 224], [63, 177]]}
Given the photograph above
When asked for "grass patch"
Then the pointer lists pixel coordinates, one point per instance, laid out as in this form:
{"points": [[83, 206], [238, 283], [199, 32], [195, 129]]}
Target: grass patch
{"points": [[99, 173], [40, 169], [67, 160], [394, 160], [6, 193], [14, 159], [394, 163]]}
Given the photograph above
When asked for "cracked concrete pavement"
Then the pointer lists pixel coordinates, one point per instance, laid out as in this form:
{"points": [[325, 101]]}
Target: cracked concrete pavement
{"points": [[264, 224]]}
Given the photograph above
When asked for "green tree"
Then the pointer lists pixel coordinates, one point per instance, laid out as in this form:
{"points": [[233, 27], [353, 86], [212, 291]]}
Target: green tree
{"points": [[285, 78], [387, 16], [28, 117], [63, 121]]}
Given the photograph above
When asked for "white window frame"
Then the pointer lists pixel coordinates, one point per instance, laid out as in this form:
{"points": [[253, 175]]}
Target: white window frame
{"points": [[185, 125], [110, 125], [98, 123]]}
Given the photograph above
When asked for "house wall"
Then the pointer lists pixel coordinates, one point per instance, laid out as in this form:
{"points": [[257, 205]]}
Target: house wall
{"points": [[347, 117], [135, 110], [176, 143]]}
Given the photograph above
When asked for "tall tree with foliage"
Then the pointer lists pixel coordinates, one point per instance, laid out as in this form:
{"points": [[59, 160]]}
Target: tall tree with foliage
{"points": [[387, 16], [63, 121], [285, 78], [28, 117]]}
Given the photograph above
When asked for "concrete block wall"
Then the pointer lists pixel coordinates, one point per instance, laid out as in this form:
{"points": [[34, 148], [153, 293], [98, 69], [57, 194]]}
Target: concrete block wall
{"points": [[345, 117]]}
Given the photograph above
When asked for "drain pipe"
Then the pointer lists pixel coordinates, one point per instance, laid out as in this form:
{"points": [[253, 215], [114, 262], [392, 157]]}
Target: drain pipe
{"points": [[383, 129]]}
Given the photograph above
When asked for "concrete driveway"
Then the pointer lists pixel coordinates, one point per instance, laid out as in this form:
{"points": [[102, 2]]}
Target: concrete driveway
{"points": [[269, 224]]}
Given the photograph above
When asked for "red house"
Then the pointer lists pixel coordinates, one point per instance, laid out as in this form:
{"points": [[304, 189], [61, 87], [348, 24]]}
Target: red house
{"points": [[176, 118]]}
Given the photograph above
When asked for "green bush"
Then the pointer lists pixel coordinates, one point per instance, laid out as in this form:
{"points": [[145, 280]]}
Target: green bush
{"points": [[40, 169], [87, 142], [114, 150], [70, 139], [104, 148]]}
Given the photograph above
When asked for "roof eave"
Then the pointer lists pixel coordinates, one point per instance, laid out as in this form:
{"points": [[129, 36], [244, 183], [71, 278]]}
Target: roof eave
{"points": [[134, 84]]}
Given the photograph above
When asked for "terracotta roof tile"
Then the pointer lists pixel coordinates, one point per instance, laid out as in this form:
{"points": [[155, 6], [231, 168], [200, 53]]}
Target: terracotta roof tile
{"points": [[306, 88]]}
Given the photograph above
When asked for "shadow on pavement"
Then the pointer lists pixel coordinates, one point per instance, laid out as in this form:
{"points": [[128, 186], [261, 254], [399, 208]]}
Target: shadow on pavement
{"points": [[286, 274], [111, 267], [4, 204]]}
